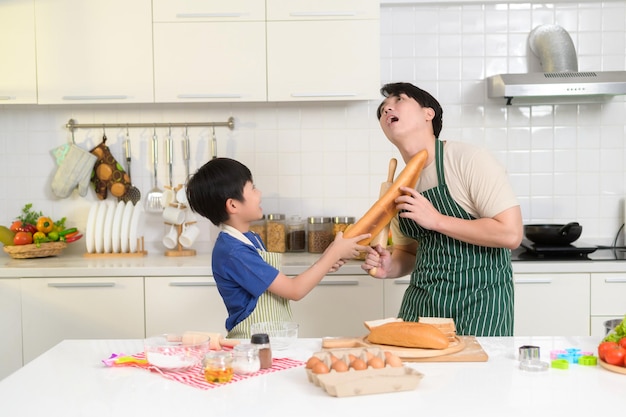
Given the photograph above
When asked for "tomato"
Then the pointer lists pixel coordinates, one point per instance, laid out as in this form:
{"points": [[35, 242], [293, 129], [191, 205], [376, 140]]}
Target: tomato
{"points": [[23, 238], [604, 347], [15, 226], [622, 342], [615, 356]]}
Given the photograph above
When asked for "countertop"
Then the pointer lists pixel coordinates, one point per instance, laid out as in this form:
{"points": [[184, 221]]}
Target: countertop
{"points": [[73, 263], [70, 380]]}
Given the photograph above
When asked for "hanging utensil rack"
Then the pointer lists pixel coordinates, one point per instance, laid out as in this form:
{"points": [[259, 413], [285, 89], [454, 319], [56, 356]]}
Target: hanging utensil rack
{"points": [[72, 125]]}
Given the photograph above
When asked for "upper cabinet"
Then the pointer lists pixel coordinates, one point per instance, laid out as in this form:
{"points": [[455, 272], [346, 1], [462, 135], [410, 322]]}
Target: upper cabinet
{"points": [[209, 51], [94, 51], [18, 76], [323, 50]]}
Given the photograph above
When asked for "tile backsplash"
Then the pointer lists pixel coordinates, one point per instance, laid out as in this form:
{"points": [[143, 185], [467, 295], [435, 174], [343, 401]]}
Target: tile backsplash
{"points": [[566, 161]]}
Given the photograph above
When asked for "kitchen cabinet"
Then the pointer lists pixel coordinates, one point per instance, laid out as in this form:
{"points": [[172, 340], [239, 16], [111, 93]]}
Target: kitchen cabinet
{"points": [[94, 51], [208, 51], [338, 306], [178, 304], [393, 293], [552, 304], [324, 50], [608, 300], [18, 68], [10, 326], [57, 308]]}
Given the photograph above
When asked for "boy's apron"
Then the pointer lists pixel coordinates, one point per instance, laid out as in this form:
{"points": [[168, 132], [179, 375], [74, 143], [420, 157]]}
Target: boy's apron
{"points": [[269, 307], [469, 283]]}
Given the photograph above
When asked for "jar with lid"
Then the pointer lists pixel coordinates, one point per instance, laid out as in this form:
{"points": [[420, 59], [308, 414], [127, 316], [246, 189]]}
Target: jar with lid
{"points": [[296, 234], [218, 366], [246, 359], [258, 227], [262, 342], [320, 234], [341, 223], [276, 232]]}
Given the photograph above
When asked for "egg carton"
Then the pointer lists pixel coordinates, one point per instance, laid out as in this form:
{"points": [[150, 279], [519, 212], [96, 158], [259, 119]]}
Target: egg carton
{"points": [[367, 381]]}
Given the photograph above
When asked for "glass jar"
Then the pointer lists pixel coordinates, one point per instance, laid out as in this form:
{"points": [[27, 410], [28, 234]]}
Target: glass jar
{"points": [[262, 342], [218, 366], [246, 359], [341, 223], [258, 227], [320, 234], [296, 234], [276, 233]]}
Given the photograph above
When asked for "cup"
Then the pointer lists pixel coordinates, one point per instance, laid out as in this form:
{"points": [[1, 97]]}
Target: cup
{"points": [[168, 197], [181, 196], [189, 235], [171, 238], [173, 215]]}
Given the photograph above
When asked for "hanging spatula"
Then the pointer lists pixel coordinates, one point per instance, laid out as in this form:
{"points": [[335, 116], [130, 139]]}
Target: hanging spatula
{"points": [[153, 200], [132, 194]]}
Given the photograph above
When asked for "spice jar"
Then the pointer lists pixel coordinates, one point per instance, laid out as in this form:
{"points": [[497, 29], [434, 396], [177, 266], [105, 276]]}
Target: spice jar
{"points": [[262, 341], [276, 233], [246, 359], [341, 223], [218, 366], [258, 227], [320, 234], [296, 234]]}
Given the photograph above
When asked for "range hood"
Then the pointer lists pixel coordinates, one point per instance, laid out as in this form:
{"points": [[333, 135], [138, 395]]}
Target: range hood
{"points": [[561, 81]]}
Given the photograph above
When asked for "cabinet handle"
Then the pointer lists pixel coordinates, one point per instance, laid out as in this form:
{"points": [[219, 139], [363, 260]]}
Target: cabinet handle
{"points": [[322, 14], [533, 281], [209, 96], [338, 283], [401, 281], [192, 284], [615, 280], [80, 284], [330, 94], [224, 14], [6, 98], [113, 97]]}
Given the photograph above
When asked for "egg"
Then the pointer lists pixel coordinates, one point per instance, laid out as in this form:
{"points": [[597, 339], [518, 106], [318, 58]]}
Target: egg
{"points": [[339, 366], [333, 358], [369, 355], [376, 362], [392, 360], [320, 368], [313, 360], [358, 364], [351, 357]]}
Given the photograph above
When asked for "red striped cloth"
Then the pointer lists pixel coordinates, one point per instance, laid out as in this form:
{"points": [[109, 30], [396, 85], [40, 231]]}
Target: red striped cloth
{"points": [[195, 376]]}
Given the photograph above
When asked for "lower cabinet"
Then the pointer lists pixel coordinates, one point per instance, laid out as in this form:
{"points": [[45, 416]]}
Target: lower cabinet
{"points": [[552, 304], [394, 291], [10, 326], [177, 304], [54, 309], [338, 306], [608, 300]]}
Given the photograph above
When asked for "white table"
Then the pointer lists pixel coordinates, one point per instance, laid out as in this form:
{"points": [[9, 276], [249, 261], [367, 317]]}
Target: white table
{"points": [[70, 380]]}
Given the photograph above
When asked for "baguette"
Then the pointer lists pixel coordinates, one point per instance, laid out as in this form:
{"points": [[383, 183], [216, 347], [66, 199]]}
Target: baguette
{"points": [[409, 334], [445, 324], [383, 210]]}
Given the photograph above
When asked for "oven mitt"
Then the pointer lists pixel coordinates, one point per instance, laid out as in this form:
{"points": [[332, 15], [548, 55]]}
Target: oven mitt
{"points": [[74, 170], [108, 174]]}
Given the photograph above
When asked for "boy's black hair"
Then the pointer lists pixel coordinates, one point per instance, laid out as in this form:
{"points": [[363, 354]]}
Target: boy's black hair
{"points": [[424, 98], [213, 184]]}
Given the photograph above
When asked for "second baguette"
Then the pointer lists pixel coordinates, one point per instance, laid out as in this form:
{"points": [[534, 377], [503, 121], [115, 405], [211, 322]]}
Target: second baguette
{"points": [[409, 334]]}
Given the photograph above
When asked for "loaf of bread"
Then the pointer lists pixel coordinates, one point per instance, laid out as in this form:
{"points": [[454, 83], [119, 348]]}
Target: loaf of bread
{"points": [[408, 334], [445, 324], [383, 210]]}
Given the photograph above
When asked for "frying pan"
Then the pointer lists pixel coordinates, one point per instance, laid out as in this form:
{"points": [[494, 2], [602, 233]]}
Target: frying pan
{"points": [[553, 234]]}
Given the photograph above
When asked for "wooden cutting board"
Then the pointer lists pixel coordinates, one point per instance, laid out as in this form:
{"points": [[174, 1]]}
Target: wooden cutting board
{"points": [[466, 349]]}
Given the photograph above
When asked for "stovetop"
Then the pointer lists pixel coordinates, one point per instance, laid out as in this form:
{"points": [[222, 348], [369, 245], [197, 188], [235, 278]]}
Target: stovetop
{"points": [[582, 251]]}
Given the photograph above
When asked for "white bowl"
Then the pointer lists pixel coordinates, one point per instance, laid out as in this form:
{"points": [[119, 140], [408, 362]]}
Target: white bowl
{"points": [[282, 333], [168, 352]]}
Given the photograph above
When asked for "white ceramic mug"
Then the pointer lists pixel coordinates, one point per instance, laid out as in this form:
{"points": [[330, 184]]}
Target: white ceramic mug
{"points": [[170, 240], [189, 235], [181, 196], [173, 215], [168, 197]]}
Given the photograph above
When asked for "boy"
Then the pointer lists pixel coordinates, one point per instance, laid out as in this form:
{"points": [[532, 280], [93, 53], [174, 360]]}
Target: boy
{"points": [[247, 276]]}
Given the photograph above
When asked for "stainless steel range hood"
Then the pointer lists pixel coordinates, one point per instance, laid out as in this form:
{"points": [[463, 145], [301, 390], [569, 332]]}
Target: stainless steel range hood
{"points": [[561, 81]]}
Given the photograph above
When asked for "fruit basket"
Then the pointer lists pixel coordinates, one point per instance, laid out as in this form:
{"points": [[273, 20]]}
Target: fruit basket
{"points": [[42, 250]]}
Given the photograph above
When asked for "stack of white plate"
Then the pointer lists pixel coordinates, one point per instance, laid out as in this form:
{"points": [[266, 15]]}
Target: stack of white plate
{"points": [[113, 227]]}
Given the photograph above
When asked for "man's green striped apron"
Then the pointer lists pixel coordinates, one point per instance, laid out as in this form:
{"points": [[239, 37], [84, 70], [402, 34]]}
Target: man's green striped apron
{"points": [[270, 307], [469, 283]]}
